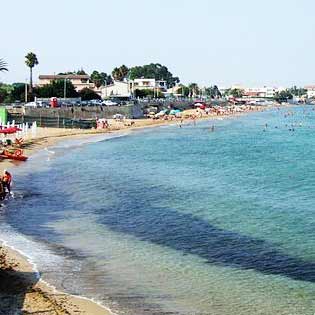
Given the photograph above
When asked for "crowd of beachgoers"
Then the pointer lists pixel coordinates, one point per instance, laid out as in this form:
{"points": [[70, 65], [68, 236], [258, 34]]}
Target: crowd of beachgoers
{"points": [[204, 112]]}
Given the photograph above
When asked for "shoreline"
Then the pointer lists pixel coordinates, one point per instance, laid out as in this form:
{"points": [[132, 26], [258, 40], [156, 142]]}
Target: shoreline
{"points": [[31, 293], [15, 263]]}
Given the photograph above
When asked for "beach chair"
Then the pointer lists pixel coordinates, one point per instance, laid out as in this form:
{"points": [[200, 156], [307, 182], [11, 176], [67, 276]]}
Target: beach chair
{"points": [[18, 142]]}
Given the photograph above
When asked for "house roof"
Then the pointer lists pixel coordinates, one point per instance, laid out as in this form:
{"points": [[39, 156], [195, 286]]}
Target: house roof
{"points": [[115, 83], [63, 76]]}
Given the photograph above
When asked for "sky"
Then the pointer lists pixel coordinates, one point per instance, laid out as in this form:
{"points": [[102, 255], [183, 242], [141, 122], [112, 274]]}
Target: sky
{"points": [[223, 42]]}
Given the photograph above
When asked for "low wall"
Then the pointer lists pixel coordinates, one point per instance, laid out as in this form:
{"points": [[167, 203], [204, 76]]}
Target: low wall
{"points": [[78, 112], [72, 117]]}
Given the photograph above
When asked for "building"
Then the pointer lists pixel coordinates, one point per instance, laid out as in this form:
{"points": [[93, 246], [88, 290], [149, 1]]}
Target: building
{"points": [[117, 89], [260, 92], [148, 84], [79, 81], [310, 91], [175, 91], [125, 89]]}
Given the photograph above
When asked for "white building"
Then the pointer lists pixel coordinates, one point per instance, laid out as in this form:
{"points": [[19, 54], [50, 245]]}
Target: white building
{"points": [[260, 92], [126, 89], [310, 91], [118, 89], [174, 90], [148, 84]]}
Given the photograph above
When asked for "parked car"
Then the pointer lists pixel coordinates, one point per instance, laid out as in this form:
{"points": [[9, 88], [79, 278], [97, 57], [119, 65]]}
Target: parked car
{"points": [[16, 104], [42, 104], [118, 117], [95, 102], [31, 104], [109, 103]]}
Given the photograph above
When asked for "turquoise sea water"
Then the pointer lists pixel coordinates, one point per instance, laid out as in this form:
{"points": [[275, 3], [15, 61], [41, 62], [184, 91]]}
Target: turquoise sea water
{"points": [[177, 220]]}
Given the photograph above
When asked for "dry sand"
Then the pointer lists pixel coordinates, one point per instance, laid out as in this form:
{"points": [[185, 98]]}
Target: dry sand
{"points": [[21, 291]]}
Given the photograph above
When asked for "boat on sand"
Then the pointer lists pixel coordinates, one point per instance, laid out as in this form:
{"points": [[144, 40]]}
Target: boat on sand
{"points": [[16, 155]]}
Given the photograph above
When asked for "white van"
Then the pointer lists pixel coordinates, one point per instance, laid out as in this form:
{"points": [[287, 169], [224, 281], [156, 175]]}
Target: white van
{"points": [[31, 104]]}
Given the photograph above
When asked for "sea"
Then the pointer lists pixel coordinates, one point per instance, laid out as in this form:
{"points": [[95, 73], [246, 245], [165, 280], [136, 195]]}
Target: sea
{"points": [[214, 218]]}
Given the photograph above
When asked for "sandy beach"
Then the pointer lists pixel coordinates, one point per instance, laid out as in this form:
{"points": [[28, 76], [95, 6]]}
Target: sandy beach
{"points": [[21, 290]]}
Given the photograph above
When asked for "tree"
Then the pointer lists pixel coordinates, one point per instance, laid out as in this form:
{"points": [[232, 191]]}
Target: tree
{"points": [[81, 72], [31, 61], [283, 96], [67, 73], [237, 92], [213, 92], [193, 89], [96, 78], [153, 71], [18, 92], [297, 91], [147, 93], [3, 66], [100, 79], [107, 78], [120, 73], [216, 92], [183, 90], [227, 92], [5, 92], [87, 94], [56, 89], [12, 92]]}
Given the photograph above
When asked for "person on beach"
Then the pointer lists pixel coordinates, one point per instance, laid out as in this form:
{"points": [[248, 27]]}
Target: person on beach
{"points": [[6, 180], [2, 191]]}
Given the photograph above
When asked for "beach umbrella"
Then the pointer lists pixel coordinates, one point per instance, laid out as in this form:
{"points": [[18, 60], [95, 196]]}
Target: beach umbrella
{"points": [[161, 113], [10, 130], [173, 112]]}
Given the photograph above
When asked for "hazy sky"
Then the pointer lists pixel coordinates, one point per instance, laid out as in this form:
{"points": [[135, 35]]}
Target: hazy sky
{"points": [[251, 42]]}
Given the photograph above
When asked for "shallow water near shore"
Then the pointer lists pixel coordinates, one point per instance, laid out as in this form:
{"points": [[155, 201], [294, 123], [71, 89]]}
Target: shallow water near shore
{"points": [[177, 220]]}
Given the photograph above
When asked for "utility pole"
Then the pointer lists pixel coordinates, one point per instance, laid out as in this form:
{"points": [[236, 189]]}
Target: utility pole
{"points": [[65, 89], [25, 91]]}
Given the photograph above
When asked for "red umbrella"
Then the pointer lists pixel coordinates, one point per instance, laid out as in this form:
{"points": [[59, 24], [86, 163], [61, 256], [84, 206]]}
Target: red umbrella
{"points": [[10, 130]]}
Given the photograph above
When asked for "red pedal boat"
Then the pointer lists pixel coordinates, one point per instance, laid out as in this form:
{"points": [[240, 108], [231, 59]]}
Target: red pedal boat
{"points": [[16, 155]]}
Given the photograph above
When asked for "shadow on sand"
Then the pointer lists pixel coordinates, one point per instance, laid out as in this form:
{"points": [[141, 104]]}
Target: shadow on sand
{"points": [[14, 286]]}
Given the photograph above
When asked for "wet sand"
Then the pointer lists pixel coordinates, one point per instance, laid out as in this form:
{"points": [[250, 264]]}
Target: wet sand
{"points": [[21, 291]]}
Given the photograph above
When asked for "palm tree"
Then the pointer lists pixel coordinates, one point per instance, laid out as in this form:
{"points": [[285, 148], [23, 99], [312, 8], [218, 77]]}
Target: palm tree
{"points": [[3, 66], [119, 74], [31, 61], [217, 92]]}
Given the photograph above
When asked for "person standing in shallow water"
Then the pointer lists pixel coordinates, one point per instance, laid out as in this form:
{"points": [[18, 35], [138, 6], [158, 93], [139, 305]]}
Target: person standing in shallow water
{"points": [[6, 180], [2, 190]]}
